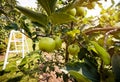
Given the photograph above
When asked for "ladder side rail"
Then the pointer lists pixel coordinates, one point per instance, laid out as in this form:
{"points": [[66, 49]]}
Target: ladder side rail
{"points": [[23, 47], [15, 42], [7, 51], [27, 48]]}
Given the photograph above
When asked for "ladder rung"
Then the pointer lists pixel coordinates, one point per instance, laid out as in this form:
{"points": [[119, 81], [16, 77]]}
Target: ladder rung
{"points": [[17, 40], [16, 51], [20, 45], [16, 31]]}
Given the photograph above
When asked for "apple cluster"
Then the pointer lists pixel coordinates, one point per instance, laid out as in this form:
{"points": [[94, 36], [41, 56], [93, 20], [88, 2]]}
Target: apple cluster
{"points": [[49, 44], [78, 11]]}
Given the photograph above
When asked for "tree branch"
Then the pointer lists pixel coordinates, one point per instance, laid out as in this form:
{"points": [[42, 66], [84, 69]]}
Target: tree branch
{"points": [[106, 36], [108, 28]]}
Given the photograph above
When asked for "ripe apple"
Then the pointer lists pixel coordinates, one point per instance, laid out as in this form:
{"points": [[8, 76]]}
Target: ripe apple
{"points": [[72, 12], [58, 42], [47, 44], [73, 49]]}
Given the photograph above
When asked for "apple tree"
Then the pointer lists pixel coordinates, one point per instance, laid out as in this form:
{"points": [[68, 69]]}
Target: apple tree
{"points": [[90, 50]]}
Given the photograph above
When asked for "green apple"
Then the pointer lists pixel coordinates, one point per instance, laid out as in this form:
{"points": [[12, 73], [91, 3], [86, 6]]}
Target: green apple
{"points": [[73, 49], [72, 12], [91, 5], [80, 11], [46, 44], [58, 42]]}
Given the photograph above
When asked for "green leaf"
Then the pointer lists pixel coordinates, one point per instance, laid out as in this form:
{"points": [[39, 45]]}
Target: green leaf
{"points": [[113, 2], [2, 12], [1, 1], [79, 3], [60, 18], [116, 66], [102, 53], [79, 77], [82, 53], [34, 16], [11, 67], [100, 5], [66, 8], [12, 26], [86, 69], [48, 5], [118, 4], [73, 32], [26, 29], [23, 62]]}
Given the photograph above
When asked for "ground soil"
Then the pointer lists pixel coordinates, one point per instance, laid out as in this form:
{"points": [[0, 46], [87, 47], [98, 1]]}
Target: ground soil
{"points": [[1, 57]]}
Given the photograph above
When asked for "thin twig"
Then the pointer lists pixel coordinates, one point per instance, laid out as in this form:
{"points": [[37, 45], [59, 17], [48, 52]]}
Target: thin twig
{"points": [[107, 34]]}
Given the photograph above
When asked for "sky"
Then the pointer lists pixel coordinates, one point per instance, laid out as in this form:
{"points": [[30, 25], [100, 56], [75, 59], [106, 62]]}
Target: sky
{"points": [[27, 3], [93, 12]]}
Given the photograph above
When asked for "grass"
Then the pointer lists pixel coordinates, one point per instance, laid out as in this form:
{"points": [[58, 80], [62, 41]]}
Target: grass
{"points": [[12, 73]]}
